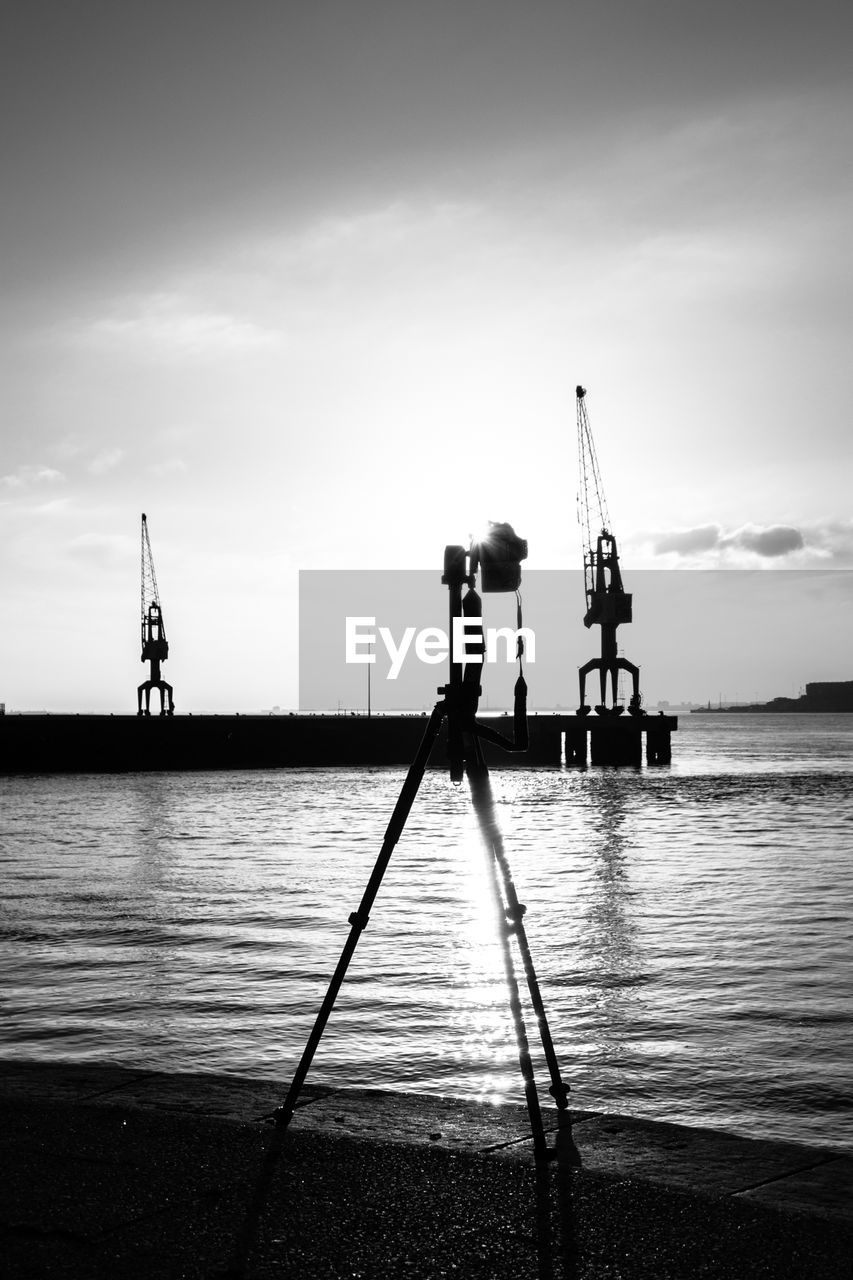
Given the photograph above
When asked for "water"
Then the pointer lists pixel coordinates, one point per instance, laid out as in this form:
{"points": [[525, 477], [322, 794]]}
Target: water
{"points": [[690, 927]]}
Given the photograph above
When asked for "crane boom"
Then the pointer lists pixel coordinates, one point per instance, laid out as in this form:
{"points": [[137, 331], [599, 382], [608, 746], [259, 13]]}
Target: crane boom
{"points": [[590, 477], [150, 593]]}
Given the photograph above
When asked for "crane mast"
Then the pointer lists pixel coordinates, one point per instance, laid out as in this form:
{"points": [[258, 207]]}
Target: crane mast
{"points": [[608, 604], [155, 646]]}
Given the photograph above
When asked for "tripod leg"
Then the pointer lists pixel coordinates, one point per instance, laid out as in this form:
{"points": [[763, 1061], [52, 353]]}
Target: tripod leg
{"points": [[358, 919], [478, 775], [481, 793], [515, 915], [531, 1095]]}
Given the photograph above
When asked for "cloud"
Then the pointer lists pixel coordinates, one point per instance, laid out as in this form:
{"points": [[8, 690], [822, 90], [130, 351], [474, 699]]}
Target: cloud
{"points": [[776, 540], [56, 507], [371, 252], [172, 323], [105, 461], [28, 475], [768, 542], [383, 228], [103, 550], [168, 467], [829, 543], [689, 541]]}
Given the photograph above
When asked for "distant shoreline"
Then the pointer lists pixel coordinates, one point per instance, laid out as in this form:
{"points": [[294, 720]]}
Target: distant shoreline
{"points": [[828, 696], [752, 708]]}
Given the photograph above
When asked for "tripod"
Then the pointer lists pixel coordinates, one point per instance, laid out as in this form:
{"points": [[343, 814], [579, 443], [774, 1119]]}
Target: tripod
{"points": [[457, 707]]}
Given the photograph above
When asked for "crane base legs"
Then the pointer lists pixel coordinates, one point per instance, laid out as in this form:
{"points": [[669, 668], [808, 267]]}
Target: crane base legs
{"points": [[608, 669], [167, 702]]}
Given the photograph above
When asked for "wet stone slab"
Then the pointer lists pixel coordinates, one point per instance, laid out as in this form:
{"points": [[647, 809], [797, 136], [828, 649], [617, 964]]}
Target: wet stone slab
{"points": [[720, 1163], [223, 1097], [69, 1082], [786, 1176], [826, 1190], [220, 1097], [415, 1119]]}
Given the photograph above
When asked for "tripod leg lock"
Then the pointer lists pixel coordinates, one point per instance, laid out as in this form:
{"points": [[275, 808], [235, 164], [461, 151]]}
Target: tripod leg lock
{"points": [[514, 916], [359, 919], [560, 1093]]}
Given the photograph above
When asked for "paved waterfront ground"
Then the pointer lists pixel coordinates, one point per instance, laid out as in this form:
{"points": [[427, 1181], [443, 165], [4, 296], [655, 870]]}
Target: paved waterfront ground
{"points": [[118, 1173]]}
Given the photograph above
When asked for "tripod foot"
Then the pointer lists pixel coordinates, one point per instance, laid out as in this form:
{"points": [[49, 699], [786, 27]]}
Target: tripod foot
{"points": [[564, 1151], [282, 1117], [560, 1093]]}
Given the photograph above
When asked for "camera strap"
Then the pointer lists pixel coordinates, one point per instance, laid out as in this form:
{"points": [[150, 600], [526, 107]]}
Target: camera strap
{"points": [[519, 643]]}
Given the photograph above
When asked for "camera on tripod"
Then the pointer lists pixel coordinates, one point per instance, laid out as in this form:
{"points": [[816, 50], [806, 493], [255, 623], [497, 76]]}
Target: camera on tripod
{"points": [[497, 555]]}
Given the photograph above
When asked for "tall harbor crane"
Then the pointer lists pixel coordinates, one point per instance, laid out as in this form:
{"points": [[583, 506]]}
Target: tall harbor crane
{"points": [[155, 646], [607, 602]]}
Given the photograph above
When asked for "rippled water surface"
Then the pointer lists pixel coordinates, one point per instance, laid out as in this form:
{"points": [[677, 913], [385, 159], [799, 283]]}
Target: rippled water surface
{"points": [[690, 927]]}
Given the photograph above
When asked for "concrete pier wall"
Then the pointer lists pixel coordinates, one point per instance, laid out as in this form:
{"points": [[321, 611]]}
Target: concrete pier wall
{"points": [[120, 744], [108, 744]]}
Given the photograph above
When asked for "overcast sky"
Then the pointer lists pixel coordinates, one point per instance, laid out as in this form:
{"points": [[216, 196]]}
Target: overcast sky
{"points": [[312, 285]]}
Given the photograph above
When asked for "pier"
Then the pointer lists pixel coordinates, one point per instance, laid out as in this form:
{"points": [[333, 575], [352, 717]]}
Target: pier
{"points": [[128, 743]]}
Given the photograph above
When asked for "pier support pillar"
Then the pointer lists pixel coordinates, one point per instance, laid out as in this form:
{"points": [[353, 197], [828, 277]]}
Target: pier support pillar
{"points": [[576, 752], [545, 739], [615, 744], [658, 746]]}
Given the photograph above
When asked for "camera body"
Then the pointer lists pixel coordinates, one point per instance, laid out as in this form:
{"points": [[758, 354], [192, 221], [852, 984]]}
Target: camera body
{"points": [[499, 553]]}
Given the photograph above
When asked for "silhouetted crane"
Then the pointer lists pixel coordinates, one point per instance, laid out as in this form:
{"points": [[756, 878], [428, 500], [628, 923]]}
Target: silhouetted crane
{"points": [[155, 646], [607, 602]]}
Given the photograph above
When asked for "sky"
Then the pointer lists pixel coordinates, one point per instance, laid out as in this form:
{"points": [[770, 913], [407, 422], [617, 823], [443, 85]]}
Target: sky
{"points": [[312, 285]]}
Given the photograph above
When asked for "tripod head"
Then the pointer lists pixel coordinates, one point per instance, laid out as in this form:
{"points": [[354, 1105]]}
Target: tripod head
{"points": [[497, 556]]}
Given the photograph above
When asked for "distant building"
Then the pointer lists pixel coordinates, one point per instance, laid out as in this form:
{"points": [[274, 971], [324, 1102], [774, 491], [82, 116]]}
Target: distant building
{"points": [[830, 695]]}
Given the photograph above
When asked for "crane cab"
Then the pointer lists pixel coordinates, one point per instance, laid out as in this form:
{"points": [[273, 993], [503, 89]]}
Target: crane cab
{"points": [[607, 602], [154, 642]]}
